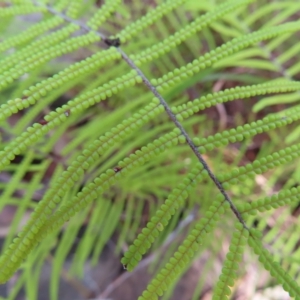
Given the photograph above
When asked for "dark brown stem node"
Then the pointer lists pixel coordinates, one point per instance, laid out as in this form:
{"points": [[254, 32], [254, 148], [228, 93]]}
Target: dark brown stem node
{"points": [[112, 42]]}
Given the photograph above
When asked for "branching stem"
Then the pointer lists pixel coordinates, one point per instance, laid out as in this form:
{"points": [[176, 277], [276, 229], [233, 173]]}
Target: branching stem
{"points": [[163, 102]]}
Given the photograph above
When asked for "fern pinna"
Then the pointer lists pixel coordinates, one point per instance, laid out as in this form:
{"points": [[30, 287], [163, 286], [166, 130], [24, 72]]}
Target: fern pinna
{"points": [[102, 117]]}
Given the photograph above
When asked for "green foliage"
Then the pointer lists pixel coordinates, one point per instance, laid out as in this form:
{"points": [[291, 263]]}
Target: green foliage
{"points": [[95, 127], [231, 263]]}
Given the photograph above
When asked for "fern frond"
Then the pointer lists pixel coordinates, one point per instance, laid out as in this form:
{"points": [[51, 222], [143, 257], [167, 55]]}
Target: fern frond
{"points": [[55, 118], [31, 235], [29, 34], [90, 154], [74, 9], [284, 197], [285, 27], [181, 112], [103, 13], [186, 251], [16, 10], [260, 165], [273, 100], [266, 10], [172, 78], [174, 40], [26, 202], [273, 267], [129, 31], [43, 88], [246, 131], [95, 159], [241, 92], [103, 209], [47, 54], [74, 177], [230, 266], [161, 219], [30, 53]]}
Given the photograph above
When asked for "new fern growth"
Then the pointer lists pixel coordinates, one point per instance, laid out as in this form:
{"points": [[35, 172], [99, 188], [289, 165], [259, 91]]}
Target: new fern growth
{"points": [[103, 111]]}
